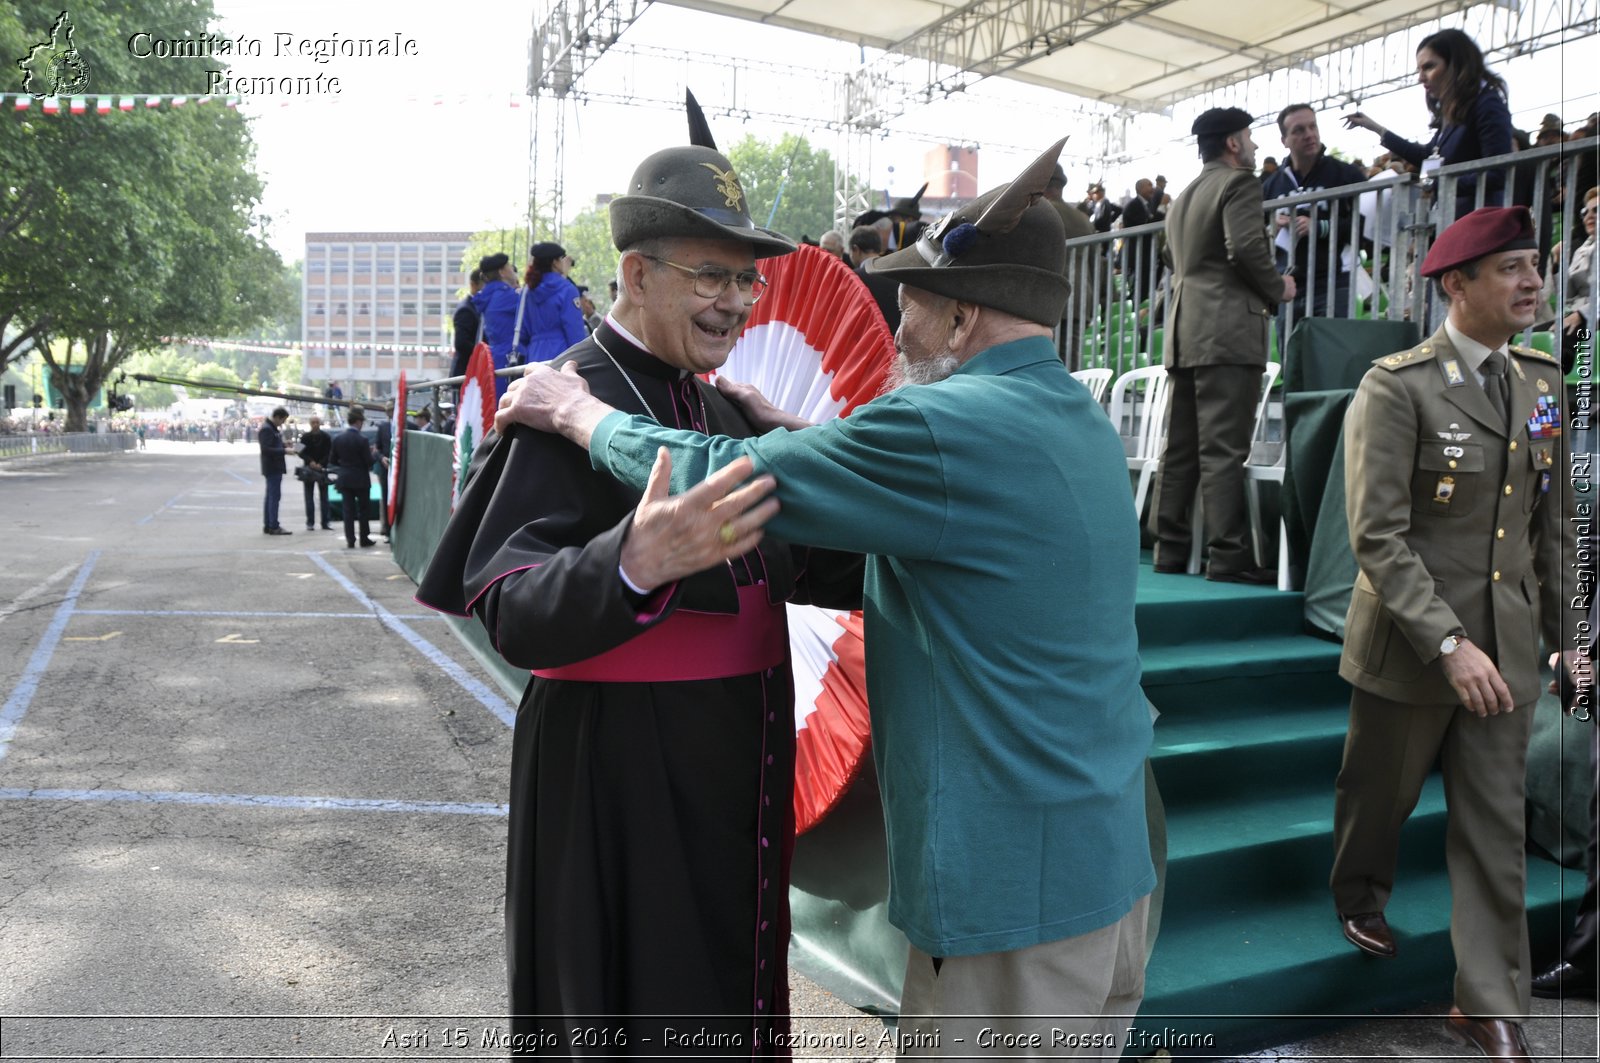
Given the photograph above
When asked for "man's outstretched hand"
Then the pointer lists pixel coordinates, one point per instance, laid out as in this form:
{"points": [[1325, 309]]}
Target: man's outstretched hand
{"points": [[674, 536]]}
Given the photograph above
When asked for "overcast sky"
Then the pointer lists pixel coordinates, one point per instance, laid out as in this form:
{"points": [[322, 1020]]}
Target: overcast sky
{"points": [[429, 141]]}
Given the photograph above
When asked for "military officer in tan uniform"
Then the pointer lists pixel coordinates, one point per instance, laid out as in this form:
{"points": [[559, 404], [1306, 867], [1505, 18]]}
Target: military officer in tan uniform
{"points": [[1455, 476], [1225, 290]]}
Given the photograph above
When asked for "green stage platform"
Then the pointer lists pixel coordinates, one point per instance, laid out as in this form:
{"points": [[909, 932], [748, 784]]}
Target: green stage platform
{"points": [[1246, 753]]}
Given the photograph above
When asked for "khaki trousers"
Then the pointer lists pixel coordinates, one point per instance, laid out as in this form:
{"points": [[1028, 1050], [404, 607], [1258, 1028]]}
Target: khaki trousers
{"points": [[1075, 997], [1388, 753]]}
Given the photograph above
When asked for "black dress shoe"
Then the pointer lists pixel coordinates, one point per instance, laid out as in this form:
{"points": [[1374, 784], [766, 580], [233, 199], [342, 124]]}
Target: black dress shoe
{"points": [[1170, 568], [1258, 577], [1369, 932], [1498, 1039], [279, 531], [369, 542], [1562, 979], [327, 527]]}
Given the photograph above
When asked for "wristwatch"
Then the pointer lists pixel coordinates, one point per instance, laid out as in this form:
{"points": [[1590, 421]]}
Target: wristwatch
{"points": [[1451, 644]]}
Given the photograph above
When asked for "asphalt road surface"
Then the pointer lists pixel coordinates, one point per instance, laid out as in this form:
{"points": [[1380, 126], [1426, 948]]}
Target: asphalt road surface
{"points": [[250, 792]]}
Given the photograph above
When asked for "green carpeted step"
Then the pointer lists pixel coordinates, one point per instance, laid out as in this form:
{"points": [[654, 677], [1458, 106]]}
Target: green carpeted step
{"points": [[1265, 697], [1203, 762], [1238, 657], [1256, 970], [1172, 609], [1252, 852]]}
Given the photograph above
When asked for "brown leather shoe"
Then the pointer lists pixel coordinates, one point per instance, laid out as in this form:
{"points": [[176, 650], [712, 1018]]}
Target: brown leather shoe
{"points": [[1498, 1039], [1369, 932]]}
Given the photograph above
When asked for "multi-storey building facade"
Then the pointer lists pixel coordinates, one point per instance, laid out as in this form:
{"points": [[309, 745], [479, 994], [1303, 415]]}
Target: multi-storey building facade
{"points": [[377, 303]]}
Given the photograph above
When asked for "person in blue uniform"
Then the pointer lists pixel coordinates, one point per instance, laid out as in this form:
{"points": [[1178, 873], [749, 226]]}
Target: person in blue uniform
{"points": [[498, 303], [552, 302]]}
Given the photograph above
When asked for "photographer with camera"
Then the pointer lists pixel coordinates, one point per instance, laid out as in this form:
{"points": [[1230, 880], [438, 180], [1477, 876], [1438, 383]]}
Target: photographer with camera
{"points": [[270, 439], [315, 446]]}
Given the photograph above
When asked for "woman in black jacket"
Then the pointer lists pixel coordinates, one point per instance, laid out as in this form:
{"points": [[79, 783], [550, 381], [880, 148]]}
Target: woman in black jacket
{"points": [[1471, 119]]}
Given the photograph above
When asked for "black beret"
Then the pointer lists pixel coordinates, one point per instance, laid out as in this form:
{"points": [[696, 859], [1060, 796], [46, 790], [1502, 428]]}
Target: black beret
{"points": [[547, 249], [492, 264], [1221, 120]]}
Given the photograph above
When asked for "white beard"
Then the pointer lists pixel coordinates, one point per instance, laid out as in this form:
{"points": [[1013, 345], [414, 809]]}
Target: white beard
{"points": [[905, 372]]}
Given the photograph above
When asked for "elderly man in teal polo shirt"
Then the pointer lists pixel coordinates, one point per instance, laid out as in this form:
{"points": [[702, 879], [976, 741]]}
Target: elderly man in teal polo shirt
{"points": [[1009, 730]]}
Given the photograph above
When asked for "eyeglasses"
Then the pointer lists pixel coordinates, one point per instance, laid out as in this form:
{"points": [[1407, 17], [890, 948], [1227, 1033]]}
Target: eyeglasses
{"points": [[711, 281]]}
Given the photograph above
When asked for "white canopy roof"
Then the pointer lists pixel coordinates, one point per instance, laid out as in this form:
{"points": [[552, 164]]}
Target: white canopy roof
{"points": [[1144, 54]]}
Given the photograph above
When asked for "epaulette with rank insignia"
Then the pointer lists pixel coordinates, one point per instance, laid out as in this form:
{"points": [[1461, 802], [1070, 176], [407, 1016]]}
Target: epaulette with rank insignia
{"points": [[1415, 354], [1532, 352]]}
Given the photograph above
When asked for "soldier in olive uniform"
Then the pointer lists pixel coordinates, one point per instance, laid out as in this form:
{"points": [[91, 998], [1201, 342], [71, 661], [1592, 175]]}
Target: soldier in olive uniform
{"points": [[1225, 291], [1455, 472]]}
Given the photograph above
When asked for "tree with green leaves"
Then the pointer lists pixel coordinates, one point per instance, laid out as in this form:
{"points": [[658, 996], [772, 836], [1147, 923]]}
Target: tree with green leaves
{"points": [[587, 239], [120, 230], [788, 185]]}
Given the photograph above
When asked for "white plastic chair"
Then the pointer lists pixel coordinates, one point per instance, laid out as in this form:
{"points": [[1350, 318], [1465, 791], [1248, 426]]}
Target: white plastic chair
{"points": [[1264, 463], [1142, 424], [1095, 380]]}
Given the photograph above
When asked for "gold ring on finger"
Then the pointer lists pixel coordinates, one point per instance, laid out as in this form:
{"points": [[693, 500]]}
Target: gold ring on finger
{"points": [[726, 534]]}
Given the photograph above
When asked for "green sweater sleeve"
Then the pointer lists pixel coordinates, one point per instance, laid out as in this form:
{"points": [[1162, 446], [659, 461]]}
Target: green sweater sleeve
{"points": [[871, 483]]}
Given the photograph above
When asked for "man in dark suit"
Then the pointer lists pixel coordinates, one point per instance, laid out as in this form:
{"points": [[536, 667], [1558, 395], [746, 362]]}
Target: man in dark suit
{"points": [[1102, 212], [1141, 259], [273, 466], [315, 446], [352, 459], [1456, 476], [1224, 292]]}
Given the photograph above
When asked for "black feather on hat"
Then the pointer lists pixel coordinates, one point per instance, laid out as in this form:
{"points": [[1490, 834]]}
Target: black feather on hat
{"points": [[1005, 250], [910, 206], [699, 129], [690, 192]]}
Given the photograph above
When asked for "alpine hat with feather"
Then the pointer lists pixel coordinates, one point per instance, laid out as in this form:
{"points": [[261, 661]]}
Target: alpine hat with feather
{"points": [[1005, 250], [690, 192]]}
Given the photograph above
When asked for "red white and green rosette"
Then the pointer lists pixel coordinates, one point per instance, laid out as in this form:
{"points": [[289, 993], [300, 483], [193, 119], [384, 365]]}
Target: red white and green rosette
{"points": [[398, 433], [474, 414], [817, 346]]}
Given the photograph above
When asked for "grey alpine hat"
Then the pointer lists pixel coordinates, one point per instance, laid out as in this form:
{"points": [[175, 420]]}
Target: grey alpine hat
{"points": [[690, 192], [1005, 250]]}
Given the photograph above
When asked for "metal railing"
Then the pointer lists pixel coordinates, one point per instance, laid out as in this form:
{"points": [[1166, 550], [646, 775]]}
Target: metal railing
{"points": [[1362, 256], [33, 444]]}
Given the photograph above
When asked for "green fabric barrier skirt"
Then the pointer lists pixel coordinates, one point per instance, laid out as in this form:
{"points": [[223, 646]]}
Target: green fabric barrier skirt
{"points": [[426, 484]]}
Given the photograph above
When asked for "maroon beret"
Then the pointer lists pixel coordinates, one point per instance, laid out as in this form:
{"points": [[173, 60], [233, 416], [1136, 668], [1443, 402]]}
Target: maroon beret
{"points": [[1483, 232]]}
